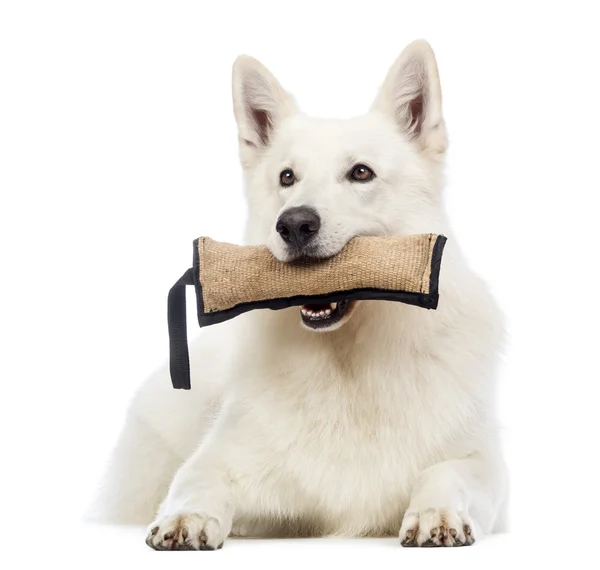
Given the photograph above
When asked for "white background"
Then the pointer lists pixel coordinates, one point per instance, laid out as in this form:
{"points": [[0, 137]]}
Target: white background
{"points": [[118, 147]]}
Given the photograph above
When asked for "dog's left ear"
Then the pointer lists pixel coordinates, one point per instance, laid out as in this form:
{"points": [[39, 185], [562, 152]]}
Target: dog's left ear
{"points": [[412, 95], [259, 105]]}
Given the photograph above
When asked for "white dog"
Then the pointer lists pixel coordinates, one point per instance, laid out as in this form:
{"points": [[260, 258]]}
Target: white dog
{"points": [[383, 423]]}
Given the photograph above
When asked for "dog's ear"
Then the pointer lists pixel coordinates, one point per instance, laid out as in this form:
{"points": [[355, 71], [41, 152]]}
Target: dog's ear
{"points": [[259, 104], [412, 95]]}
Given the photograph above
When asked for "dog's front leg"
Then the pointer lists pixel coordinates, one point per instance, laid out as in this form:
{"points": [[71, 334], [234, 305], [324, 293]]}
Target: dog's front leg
{"points": [[455, 502], [198, 511]]}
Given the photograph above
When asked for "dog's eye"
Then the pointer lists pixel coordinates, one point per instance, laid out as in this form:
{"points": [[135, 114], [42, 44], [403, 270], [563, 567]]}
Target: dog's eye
{"points": [[287, 177], [361, 173]]}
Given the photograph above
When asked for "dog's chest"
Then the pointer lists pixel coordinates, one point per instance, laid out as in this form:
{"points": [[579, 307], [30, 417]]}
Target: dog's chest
{"points": [[351, 442]]}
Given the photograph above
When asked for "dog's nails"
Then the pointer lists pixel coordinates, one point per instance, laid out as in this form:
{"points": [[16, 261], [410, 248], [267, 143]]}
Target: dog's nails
{"points": [[203, 538]]}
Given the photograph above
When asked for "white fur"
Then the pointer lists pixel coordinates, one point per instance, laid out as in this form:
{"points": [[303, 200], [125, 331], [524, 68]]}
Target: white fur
{"points": [[290, 432]]}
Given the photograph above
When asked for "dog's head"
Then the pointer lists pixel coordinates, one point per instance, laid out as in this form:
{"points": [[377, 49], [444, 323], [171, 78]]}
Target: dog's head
{"points": [[313, 184]]}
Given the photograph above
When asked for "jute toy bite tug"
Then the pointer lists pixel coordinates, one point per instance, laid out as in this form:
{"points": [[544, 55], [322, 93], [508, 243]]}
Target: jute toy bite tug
{"points": [[230, 280]]}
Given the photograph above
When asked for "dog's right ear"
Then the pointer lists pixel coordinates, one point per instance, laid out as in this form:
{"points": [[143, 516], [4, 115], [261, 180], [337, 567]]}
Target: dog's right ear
{"points": [[259, 104]]}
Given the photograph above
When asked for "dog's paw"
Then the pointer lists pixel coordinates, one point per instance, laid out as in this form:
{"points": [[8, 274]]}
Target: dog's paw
{"points": [[195, 531], [436, 527]]}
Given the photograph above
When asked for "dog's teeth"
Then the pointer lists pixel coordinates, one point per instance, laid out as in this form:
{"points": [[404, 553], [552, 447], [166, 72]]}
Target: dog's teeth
{"points": [[318, 314]]}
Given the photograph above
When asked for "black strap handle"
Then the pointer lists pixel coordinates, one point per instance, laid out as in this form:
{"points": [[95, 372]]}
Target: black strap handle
{"points": [[179, 359]]}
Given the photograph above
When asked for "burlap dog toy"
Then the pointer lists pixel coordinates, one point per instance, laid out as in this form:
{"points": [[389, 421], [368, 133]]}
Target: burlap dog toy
{"points": [[230, 280]]}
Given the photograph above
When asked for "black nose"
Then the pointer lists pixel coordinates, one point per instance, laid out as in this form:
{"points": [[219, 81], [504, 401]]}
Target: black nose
{"points": [[297, 226]]}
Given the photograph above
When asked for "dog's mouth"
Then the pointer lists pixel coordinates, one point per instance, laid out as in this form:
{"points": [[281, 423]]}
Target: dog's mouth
{"points": [[326, 316]]}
